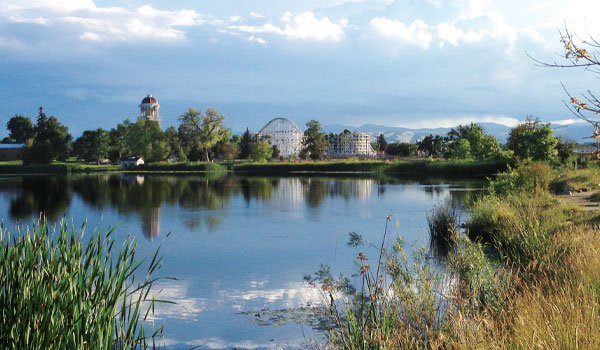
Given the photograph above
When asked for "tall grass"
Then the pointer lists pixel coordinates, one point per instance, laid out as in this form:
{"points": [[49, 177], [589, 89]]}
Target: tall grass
{"points": [[57, 293], [443, 229], [543, 292]]}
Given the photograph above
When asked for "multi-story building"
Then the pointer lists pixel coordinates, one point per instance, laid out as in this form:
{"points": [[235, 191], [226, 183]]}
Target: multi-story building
{"points": [[350, 144]]}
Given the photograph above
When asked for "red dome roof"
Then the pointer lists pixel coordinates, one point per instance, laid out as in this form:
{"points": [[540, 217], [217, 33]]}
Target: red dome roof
{"points": [[149, 99]]}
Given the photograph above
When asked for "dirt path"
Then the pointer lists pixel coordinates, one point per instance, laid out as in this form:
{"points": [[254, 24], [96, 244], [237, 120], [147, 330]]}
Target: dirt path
{"points": [[581, 198]]}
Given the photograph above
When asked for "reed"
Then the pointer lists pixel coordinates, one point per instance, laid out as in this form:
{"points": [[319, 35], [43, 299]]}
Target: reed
{"points": [[58, 293]]}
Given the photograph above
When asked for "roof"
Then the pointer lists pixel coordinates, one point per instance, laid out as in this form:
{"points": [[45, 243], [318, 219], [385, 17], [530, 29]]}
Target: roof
{"points": [[11, 145], [149, 100], [124, 159]]}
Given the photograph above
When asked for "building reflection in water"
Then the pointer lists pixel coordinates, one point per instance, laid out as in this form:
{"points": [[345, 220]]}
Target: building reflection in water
{"points": [[151, 223]]}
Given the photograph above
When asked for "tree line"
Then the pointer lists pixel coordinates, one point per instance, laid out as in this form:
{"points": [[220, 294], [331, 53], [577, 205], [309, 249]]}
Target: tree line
{"points": [[531, 139], [203, 136]]}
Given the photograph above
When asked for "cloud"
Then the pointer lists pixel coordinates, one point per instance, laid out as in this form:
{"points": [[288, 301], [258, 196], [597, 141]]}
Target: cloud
{"points": [[450, 33], [89, 22], [304, 27], [257, 39], [417, 33], [256, 15], [36, 20]]}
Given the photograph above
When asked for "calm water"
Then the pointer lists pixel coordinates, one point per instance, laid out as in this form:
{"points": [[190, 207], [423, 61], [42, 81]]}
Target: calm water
{"points": [[237, 246]]}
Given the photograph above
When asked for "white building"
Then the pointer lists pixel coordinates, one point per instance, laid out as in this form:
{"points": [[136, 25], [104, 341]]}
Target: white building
{"points": [[128, 162], [149, 109], [346, 144], [285, 135]]}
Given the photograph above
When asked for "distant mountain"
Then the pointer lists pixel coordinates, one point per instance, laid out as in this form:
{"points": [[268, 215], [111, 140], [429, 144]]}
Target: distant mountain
{"points": [[575, 132]]}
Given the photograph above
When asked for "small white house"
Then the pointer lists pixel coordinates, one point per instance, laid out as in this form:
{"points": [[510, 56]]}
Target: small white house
{"points": [[128, 162]]}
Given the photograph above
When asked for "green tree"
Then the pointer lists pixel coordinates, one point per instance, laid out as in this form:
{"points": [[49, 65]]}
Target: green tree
{"points": [[275, 154], [51, 141], [201, 132], [402, 149], [566, 150], [172, 138], [481, 145], [92, 145], [460, 149], [20, 128], [245, 143], [434, 146], [382, 143], [260, 150], [116, 143], [533, 140], [315, 141]]}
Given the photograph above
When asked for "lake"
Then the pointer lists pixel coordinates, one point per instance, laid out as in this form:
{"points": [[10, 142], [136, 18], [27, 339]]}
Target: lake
{"points": [[238, 246]]}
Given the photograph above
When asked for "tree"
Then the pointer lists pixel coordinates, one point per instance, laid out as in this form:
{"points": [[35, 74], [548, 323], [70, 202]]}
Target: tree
{"points": [[583, 53], [229, 150], [174, 142], [51, 141], [92, 145], [382, 143], [480, 145], [532, 140], [434, 146], [315, 141], [245, 145], [20, 128], [275, 154], [199, 133], [260, 150], [403, 149]]}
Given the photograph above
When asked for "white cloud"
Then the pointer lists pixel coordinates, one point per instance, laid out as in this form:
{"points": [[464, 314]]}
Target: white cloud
{"points": [[101, 24], [36, 20], [305, 26], [89, 36], [257, 39], [417, 33], [449, 33], [461, 120], [235, 18], [257, 15], [54, 5]]}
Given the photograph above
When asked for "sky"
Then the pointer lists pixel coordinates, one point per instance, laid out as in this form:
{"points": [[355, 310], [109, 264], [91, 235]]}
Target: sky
{"points": [[410, 63]]}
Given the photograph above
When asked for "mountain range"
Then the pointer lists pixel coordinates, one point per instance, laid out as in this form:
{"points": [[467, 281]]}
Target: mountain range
{"points": [[578, 132]]}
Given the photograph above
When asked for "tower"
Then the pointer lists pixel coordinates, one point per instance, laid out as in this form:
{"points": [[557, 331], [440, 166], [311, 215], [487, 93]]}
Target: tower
{"points": [[149, 109]]}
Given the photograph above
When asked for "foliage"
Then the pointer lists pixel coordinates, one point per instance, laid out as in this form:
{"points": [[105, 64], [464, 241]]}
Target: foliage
{"points": [[315, 141], [228, 150], [245, 143], [260, 151], [172, 139], [20, 128], [92, 146], [468, 141], [566, 152], [443, 229], [58, 293], [52, 141], [199, 132], [402, 149], [382, 143], [532, 140], [529, 178], [434, 146], [275, 154]]}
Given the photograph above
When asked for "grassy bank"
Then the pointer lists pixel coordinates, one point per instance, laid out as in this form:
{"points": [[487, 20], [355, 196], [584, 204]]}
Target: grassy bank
{"points": [[436, 168], [445, 168], [537, 287], [58, 293]]}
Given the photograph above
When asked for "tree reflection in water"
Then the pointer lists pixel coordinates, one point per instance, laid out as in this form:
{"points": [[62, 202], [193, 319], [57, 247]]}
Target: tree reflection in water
{"points": [[145, 195]]}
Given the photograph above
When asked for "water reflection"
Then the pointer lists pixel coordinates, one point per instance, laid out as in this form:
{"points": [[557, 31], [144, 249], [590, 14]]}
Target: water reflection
{"points": [[145, 196]]}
